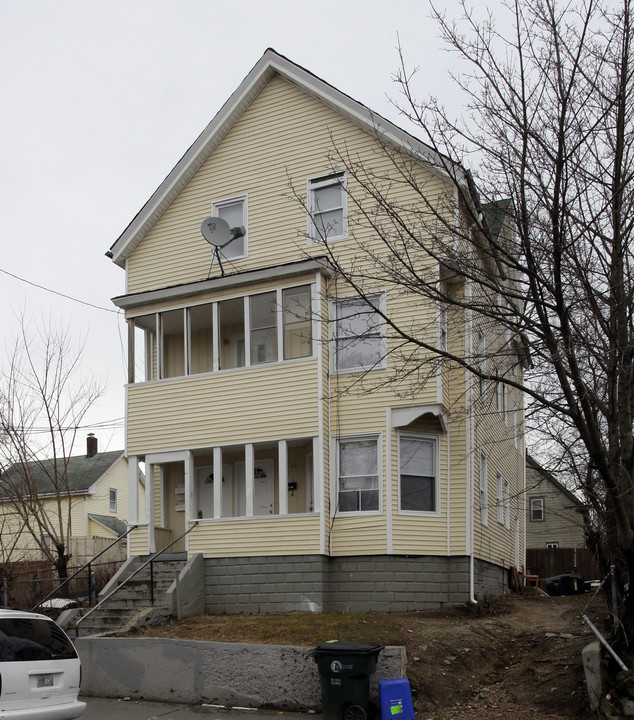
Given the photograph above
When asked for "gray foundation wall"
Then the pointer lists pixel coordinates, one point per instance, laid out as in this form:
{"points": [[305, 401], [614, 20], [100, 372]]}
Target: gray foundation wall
{"points": [[318, 583]]}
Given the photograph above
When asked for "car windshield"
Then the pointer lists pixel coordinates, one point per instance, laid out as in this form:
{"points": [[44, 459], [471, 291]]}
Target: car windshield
{"points": [[28, 639]]}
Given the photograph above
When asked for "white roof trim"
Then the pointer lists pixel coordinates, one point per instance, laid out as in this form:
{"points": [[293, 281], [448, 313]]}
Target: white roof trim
{"points": [[403, 416], [270, 63], [227, 281]]}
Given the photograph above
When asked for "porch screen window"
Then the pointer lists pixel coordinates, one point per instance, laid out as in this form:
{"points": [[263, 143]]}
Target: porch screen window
{"points": [[172, 343], [358, 475], [358, 334], [231, 333], [417, 469], [201, 358], [263, 311], [297, 320]]}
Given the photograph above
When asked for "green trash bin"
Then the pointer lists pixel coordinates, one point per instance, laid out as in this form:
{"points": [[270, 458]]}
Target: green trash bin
{"points": [[344, 670]]}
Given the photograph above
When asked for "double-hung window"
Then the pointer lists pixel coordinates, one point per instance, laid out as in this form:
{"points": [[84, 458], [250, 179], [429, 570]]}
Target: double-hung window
{"points": [[499, 500], [537, 509], [234, 212], [484, 489], [112, 498], [327, 208], [358, 468], [418, 473], [358, 334]]}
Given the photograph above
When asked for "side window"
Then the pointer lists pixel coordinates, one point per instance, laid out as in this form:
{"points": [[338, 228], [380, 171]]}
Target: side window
{"points": [[113, 499], [480, 359], [499, 499], [358, 335], [418, 473], [234, 211], [484, 490], [358, 468], [327, 208], [537, 509]]}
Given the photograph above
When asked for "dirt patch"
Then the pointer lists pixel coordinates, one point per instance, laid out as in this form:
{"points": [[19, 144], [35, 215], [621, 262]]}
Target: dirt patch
{"points": [[520, 657]]}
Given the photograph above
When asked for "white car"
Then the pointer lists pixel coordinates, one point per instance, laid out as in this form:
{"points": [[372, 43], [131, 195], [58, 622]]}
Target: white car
{"points": [[40, 671]]}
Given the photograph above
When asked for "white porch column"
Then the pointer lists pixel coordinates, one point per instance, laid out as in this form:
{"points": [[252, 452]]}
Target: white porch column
{"points": [[318, 480], [248, 478], [217, 482], [282, 462], [149, 505], [189, 487], [133, 490]]}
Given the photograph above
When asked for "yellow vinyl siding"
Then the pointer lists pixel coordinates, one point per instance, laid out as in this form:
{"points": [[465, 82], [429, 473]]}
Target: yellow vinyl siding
{"points": [[248, 537], [363, 534], [236, 406], [292, 134]]}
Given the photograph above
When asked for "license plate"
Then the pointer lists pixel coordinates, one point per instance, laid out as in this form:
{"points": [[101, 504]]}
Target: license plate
{"points": [[44, 681]]}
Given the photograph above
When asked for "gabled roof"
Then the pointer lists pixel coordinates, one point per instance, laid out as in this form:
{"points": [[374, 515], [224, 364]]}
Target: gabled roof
{"points": [[118, 527], [82, 473], [270, 64], [543, 474]]}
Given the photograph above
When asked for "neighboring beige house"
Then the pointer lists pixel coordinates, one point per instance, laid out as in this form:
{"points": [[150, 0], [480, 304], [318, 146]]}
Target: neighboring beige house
{"points": [[554, 515], [262, 415], [98, 485]]}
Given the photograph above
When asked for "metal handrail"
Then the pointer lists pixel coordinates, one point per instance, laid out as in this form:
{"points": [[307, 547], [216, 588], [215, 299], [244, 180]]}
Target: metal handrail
{"points": [[83, 567], [138, 570]]}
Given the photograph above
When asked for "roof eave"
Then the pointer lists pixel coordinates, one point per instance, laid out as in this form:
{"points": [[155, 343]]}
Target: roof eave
{"points": [[270, 63]]}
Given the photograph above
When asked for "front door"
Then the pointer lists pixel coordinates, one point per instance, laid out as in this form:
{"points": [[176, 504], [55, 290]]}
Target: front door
{"points": [[263, 488]]}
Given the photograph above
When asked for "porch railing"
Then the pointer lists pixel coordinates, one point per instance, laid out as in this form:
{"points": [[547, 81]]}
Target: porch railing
{"points": [[82, 568], [149, 562]]}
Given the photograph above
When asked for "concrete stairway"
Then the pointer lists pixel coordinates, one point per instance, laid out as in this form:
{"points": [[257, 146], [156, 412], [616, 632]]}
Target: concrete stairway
{"points": [[132, 605]]}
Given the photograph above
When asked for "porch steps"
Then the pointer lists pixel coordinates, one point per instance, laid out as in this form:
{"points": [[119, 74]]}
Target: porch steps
{"points": [[132, 605]]}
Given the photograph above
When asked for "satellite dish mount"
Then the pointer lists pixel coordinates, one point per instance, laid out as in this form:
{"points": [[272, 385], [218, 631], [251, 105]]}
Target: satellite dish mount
{"points": [[218, 234]]}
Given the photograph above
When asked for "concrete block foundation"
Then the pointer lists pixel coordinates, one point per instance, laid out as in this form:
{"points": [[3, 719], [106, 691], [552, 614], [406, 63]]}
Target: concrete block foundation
{"points": [[318, 583]]}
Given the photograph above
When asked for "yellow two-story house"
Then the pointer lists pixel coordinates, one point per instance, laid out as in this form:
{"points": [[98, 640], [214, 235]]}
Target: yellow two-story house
{"points": [[261, 396]]}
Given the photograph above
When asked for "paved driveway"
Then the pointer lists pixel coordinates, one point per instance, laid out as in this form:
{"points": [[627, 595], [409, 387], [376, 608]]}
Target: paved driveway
{"points": [[106, 709]]}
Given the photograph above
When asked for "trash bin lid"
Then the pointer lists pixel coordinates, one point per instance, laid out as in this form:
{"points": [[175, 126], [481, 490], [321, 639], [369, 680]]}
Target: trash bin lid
{"points": [[345, 647]]}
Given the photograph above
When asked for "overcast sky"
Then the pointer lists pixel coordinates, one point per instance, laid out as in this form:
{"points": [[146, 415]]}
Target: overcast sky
{"points": [[100, 100]]}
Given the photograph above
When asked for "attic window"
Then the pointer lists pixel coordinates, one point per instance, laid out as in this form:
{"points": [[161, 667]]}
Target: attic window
{"points": [[234, 211], [327, 208]]}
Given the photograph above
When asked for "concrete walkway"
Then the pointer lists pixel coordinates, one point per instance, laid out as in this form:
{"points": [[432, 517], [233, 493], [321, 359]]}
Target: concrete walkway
{"points": [[107, 708]]}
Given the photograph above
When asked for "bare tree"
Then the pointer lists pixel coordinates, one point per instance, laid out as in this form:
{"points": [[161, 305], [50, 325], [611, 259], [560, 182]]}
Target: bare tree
{"points": [[43, 402], [539, 233]]}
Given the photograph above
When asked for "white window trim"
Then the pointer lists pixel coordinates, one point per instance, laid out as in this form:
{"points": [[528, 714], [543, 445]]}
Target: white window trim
{"points": [[499, 497], [506, 499], [382, 306], [378, 437], [110, 503], [217, 204], [436, 440], [316, 183], [543, 509]]}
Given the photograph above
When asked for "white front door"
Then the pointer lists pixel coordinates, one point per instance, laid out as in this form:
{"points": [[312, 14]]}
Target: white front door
{"points": [[263, 488], [205, 490]]}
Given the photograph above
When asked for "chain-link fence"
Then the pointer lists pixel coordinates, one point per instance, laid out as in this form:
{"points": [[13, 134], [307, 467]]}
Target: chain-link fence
{"points": [[26, 584]]}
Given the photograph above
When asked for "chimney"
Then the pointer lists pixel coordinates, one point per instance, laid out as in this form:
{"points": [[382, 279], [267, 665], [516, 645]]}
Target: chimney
{"points": [[91, 445]]}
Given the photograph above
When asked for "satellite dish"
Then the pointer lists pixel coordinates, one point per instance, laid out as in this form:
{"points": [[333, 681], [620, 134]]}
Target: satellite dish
{"points": [[218, 234], [216, 231]]}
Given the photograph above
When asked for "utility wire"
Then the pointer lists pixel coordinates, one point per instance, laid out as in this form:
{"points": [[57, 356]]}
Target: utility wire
{"points": [[55, 292]]}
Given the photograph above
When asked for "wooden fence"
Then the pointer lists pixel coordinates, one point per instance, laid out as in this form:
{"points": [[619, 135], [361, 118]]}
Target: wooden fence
{"points": [[547, 562]]}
